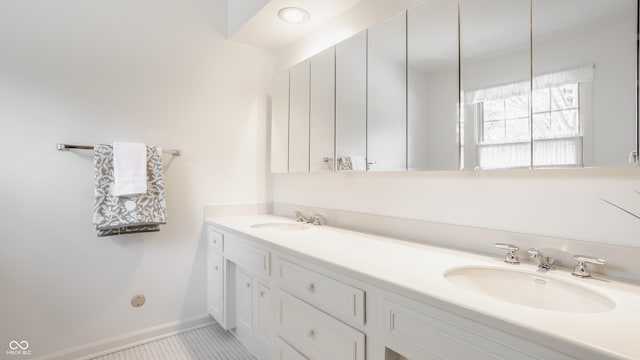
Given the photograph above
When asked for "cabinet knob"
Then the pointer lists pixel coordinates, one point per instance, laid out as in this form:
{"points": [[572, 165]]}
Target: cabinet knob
{"points": [[248, 285], [261, 294], [215, 268], [215, 241], [311, 287], [312, 334]]}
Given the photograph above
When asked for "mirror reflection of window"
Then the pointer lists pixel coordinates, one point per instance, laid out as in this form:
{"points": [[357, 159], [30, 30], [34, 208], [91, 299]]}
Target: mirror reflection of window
{"points": [[504, 130]]}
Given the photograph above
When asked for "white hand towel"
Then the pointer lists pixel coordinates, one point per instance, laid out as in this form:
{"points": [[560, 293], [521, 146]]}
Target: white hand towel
{"points": [[129, 168], [359, 163]]}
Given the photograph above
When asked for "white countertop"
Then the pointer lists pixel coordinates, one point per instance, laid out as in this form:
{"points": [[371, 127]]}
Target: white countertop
{"points": [[416, 270]]}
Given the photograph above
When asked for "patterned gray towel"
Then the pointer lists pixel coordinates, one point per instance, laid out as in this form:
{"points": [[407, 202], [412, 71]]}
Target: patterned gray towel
{"points": [[114, 215]]}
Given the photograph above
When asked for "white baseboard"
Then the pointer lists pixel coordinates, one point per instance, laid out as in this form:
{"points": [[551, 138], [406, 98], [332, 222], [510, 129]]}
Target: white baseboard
{"points": [[121, 342]]}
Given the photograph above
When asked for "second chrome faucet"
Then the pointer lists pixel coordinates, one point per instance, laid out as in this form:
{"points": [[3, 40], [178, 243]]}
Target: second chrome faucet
{"points": [[544, 262]]}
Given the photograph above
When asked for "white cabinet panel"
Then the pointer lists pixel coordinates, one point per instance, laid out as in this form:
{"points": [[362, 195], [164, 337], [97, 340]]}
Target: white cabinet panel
{"points": [[387, 95], [256, 260], [337, 298], [244, 300], [280, 123], [351, 100], [215, 239], [427, 333], [299, 118], [322, 112], [316, 334], [263, 313], [215, 290]]}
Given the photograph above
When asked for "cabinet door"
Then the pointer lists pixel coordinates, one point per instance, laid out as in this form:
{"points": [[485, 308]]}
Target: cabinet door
{"points": [[387, 95], [299, 118], [322, 112], [263, 313], [244, 300], [280, 123], [351, 103], [215, 284]]}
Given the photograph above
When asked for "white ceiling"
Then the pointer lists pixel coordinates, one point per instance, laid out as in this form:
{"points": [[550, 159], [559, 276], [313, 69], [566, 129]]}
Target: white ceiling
{"points": [[266, 30]]}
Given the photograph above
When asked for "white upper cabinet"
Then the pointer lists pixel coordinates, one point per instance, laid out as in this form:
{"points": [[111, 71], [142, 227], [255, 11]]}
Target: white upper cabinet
{"points": [[280, 123], [351, 103], [299, 118], [387, 95], [322, 112], [433, 96]]}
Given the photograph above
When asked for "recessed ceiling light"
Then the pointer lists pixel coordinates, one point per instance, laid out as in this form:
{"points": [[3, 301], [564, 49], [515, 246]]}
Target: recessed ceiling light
{"points": [[293, 15]]}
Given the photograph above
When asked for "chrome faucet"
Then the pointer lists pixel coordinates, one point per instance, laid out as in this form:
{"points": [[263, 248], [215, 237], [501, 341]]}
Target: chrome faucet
{"points": [[300, 217], [544, 262], [315, 219]]}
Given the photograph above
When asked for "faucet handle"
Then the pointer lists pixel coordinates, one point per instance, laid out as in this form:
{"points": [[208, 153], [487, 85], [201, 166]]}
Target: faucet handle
{"points": [[581, 269], [319, 219], [299, 216], [512, 256]]}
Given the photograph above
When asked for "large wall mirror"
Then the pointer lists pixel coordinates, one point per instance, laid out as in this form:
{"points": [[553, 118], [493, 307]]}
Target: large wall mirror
{"points": [[495, 70], [299, 118], [387, 95], [433, 96], [548, 83], [584, 80], [473, 85], [322, 112], [351, 103]]}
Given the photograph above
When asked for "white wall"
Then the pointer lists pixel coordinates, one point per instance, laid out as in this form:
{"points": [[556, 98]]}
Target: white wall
{"points": [[84, 72], [560, 203]]}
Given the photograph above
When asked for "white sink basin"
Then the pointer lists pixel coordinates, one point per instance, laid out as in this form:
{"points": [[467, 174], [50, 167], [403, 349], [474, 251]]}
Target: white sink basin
{"points": [[531, 289], [280, 226]]}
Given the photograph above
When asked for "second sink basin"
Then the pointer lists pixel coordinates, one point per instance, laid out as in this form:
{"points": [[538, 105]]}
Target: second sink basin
{"points": [[280, 226], [530, 289]]}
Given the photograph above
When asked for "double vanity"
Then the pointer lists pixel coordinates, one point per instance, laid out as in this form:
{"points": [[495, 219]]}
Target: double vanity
{"points": [[294, 290]]}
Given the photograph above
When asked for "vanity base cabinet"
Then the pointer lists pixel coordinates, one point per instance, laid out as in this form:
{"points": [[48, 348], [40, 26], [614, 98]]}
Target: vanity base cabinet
{"points": [[309, 310], [425, 333]]}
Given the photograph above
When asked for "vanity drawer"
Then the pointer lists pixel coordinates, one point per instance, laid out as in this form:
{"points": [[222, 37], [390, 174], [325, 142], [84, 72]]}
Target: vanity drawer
{"points": [[423, 335], [317, 335], [287, 352], [336, 298], [215, 239], [249, 257]]}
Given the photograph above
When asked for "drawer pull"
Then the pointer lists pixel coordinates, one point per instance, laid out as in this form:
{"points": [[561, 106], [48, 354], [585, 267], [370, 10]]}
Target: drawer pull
{"points": [[311, 288], [312, 334]]}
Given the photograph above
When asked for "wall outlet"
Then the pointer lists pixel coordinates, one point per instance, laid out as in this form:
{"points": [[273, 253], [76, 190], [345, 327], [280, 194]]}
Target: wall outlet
{"points": [[138, 300]]}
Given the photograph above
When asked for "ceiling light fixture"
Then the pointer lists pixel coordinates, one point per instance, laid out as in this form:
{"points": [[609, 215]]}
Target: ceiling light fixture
{"points": [[293, 15]]}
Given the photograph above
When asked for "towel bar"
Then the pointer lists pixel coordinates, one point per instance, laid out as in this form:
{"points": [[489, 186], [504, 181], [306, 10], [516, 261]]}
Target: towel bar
{"points": [[67, 147]]}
